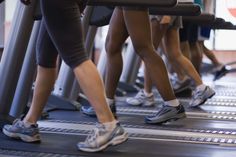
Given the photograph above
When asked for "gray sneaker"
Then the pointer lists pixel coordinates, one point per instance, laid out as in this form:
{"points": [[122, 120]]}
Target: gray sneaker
{"points": [[200, 96], [165, 114], [101, 138], [141, 99], [18, 130]]}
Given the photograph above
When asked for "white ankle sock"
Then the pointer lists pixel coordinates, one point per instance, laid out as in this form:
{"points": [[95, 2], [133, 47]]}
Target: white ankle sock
{"points": [[27, 124], [184, 79], [173, 103], [110, 125], [201, 87], [110, 101], [147, 94]]}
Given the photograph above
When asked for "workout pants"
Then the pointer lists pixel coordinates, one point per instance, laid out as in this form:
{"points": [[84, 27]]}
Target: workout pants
{"points": [[189, 32], [60, 33]]}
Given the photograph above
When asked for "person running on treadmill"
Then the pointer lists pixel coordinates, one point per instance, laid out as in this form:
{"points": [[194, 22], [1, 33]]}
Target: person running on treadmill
{"points": [[168, 28], [61, 33], [134, 22]]}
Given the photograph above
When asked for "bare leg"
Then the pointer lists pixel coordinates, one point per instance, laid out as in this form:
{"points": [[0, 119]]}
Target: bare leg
{"points": [[116, 36], [156, 40], [209, 54], [196, 55], [177, 58], [43, 86], [88, 77], [185, 48], [142, 42]]}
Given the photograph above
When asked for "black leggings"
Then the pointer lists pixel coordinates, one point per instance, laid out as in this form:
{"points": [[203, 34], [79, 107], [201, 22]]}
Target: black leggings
{"points": [[60, 33]]}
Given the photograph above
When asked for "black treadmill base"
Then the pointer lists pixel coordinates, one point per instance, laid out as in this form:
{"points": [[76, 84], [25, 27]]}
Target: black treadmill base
{"points": [[66, 145]]}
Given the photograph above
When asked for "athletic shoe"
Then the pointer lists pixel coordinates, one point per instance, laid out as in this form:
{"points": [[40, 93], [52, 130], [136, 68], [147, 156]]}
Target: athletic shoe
{"points": [[165, 114], [101, 138], [200, 96], [91, 112], [19, 130], [141, 99], [180, 86], [220, 73]]}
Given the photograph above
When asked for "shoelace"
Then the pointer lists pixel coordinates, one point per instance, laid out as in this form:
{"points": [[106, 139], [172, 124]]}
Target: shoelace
{"points": [[198, 94], [163, 109], [95, 133], [140, 96]]}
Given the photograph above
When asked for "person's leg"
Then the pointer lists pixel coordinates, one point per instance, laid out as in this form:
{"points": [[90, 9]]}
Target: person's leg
{"points": [[220, 69], [209, 54], [158, 30], [46, 76], [66, 34], [196, 55], [138, 26], [202, 92], [117, 34], [176, 57], [145, 96], [142, 42], [185, 48]]}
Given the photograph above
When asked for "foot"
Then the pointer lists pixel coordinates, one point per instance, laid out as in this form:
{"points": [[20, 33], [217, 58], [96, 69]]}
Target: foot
{"points": [[165, 114], [101, 138], [19, 130], [200, 96], [180, 86], [141, 99], [220, 73], [91, 112]]}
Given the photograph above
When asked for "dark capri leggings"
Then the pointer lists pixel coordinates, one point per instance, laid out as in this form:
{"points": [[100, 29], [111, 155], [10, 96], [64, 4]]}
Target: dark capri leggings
{"points": [[60, 33]]}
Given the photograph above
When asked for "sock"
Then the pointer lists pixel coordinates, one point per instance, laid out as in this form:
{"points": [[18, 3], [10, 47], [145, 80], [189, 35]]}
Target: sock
{"points": [[173, 103], [27, 124], [110, 101], [147, 94], [201, 87], [110, 125], [184, 79]]}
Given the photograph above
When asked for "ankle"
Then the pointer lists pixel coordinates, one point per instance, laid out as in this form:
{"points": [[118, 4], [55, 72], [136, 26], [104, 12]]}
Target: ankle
{"points": [[29, 121], [201, 87], [110, 101], [173, 103], [110, 125], [147, 94], [28, 124]]}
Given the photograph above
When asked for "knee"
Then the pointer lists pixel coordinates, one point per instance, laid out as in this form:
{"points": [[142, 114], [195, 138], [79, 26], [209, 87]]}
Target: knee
{"points": [[112, 47], [144, 50]]}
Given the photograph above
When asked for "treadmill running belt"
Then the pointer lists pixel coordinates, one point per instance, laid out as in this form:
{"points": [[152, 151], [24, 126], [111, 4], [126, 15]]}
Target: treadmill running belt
{"points": [[66, 144]]}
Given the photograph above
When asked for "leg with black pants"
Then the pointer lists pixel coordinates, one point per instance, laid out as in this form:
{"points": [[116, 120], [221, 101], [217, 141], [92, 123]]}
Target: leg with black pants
{"points": [[63, 25]]}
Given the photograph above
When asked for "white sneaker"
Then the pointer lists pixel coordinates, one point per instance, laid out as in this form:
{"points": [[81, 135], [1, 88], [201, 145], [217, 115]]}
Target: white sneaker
{"points": [[200, 96], [141, 99], [101, 138]]}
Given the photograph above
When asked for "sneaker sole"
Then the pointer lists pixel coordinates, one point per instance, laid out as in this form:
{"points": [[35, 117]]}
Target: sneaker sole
{"points": [[175, 118], [149, 105], [192, 106], [142, 104], [114, 142], [23, 137]]}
